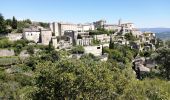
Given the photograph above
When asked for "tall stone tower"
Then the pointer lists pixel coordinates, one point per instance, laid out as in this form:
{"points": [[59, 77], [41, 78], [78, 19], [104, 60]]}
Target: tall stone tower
{"points": [[120, 22]]}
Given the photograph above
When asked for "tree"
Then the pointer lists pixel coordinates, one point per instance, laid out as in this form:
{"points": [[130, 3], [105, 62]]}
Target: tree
{"points": [[89, 57], [23, 24], [163, 59], [14, 23], [18, 49], [50, 47], [27, 21], [31, 62], [8, 22], [159, 43], [22, 42], [100, 31], [74, 79], [80, 79], [148, 89], [111, 45], [130, 37], [2, 25], [5, 43], [168, 43], [45, 25]]}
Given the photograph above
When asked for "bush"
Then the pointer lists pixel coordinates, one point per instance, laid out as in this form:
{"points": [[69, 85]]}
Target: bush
{"points": [[30, 49], [77, 50], [8, 61], [5, 43], [18, 49], [22, 42]]}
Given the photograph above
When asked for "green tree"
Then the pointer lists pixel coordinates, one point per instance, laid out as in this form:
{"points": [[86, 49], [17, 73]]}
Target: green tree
{"points": [[159, 43], [27, 21], [89, 57], [168, 43], [8, 22], [100, 31], [45, 25], [14, 23], [2, 25], [163, 59], [130, 37], [146, 90], [5, 43], [31, 63], [74, 79], [18, 49], [22, 42]]}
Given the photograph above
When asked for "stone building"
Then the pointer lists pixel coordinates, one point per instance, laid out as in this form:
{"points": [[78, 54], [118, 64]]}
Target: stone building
{"points": [[55, 28], [99, 24], [58, 28], [31, 34], [103, 38], [72, 35], [110, 27], [46, 36], [120, 39], [83, 28], [54, 42], [95, 50], [84, 41]]}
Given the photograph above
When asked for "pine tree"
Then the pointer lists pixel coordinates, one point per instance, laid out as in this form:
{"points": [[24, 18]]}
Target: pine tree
{"points": [[2, 25], [14, 23]]}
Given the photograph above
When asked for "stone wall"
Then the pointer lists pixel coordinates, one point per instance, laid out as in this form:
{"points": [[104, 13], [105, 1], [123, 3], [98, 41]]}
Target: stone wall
{"points": [[14, 36], [6, 52]]}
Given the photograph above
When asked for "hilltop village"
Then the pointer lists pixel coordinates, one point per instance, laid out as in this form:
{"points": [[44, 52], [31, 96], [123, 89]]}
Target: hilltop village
{"points": [[73, 61], [65, 35], [92, 37]]}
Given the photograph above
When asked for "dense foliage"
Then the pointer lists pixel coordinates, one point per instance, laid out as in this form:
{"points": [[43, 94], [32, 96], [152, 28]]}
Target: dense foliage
{"points": [[77, 50], [100, 31], [130, 37]]}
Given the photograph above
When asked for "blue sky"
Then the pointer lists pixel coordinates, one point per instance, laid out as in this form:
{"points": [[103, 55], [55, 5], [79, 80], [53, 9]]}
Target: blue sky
{"points": [[144, 13]]}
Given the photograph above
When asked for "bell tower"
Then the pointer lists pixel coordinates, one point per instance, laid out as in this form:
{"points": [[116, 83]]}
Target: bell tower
{"points": [[120, 22]]}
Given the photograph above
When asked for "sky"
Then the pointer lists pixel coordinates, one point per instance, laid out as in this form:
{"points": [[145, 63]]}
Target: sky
{"points": [[143, 13]]}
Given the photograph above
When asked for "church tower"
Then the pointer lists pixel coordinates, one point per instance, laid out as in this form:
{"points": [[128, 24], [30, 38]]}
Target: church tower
{"points": [[120, 22]]}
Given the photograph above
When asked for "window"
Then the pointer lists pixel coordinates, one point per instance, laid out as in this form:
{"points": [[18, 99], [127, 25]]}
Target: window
{"points": [[98, 47]]}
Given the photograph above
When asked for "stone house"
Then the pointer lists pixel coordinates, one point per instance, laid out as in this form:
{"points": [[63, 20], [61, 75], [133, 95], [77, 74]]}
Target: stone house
{"points": [[58, 28], [103, 38], [31, 34], [95, 50]]}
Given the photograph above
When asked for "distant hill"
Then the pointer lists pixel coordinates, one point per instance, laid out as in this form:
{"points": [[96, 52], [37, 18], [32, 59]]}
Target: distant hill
{"points": [[155, 30], [162, 33]]}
